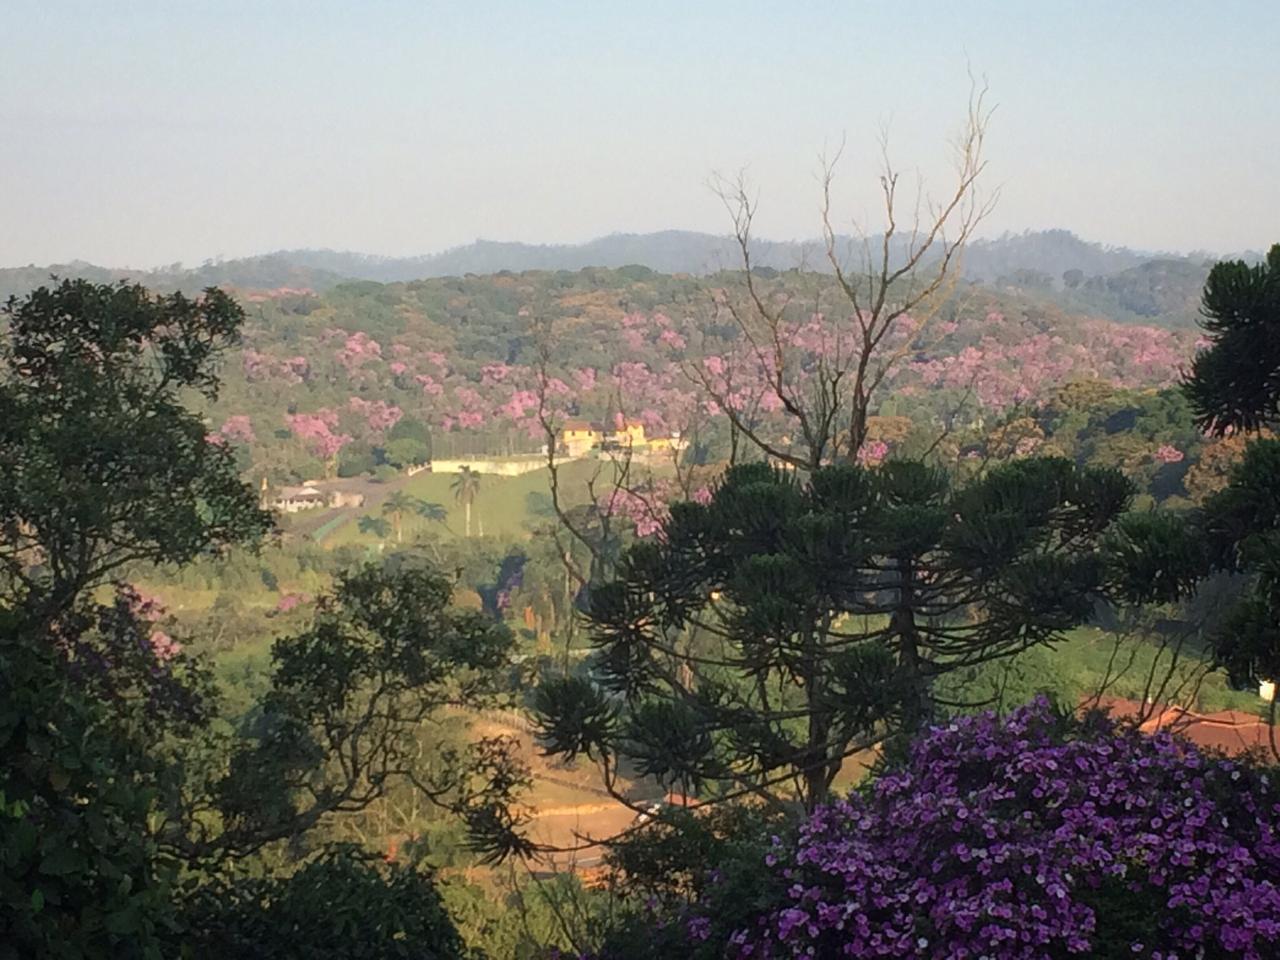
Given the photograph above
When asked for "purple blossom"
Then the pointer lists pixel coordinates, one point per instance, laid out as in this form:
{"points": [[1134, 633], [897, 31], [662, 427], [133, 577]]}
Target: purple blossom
{"points": [[1013, 839]]}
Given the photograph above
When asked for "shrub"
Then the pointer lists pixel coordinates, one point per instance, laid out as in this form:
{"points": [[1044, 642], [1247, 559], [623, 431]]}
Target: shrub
{"points": [[1033, 836], [342, 906]]}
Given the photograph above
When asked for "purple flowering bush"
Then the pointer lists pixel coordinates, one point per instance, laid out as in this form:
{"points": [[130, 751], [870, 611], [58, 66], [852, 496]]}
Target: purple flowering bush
{"points": [[1033, 836]]}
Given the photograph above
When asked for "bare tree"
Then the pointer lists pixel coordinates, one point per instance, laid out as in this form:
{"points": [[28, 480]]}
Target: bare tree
{"points": [[889, 287]]}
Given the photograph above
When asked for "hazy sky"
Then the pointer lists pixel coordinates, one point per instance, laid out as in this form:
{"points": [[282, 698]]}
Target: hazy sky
{"points": [[145, 133]]}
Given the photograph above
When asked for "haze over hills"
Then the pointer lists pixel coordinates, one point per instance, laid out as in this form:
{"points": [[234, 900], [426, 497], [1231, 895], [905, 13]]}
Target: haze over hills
{"points": [[1114, 281], [667, 251], [682, 251]]}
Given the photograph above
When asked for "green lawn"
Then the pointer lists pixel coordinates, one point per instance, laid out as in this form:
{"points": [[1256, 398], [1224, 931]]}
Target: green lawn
{"points": [[180, 598], [1089, 661], [505, 507]]}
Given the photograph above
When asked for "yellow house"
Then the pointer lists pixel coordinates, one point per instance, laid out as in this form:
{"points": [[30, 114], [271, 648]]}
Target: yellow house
{"points": [[630, 434], [579, 437], [667, 443]]}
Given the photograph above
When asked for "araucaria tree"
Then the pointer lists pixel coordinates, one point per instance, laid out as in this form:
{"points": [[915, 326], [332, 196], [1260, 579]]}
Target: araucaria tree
{"points": [[793, 620], [1235, 385], [1234, 388]]}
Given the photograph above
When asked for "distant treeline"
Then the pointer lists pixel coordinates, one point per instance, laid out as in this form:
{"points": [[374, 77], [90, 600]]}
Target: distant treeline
{"points": [[1115, 282]]}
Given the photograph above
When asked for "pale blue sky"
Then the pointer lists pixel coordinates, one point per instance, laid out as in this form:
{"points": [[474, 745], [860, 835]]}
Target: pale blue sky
{"points": [[144, 133]]}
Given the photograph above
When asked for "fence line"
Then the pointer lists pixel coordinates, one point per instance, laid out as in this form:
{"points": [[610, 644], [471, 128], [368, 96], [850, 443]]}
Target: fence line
{"points": [[508, 718]]}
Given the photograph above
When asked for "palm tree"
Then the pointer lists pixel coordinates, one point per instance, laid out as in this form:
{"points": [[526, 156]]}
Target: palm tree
{"points": [[435, 512], [465, 487], [375, 525], [396, 506]]}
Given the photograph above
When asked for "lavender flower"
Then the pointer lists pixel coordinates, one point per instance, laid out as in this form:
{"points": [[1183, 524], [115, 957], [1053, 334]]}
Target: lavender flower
{"points": [[1028, 838]]}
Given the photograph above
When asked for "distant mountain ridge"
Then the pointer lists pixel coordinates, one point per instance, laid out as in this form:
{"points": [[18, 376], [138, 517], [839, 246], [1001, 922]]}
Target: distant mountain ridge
{"points": [[667, 251], [1121, 282], [266, 272], [682, 251]]}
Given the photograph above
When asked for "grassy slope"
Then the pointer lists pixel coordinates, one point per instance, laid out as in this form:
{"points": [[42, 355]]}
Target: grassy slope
{"points": [[1088, 661], [503, 505], [509, 509]]}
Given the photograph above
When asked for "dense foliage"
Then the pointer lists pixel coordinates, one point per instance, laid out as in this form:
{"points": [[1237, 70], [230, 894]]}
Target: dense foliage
{"points": [[326, 380], [101, 462], [1032, 836], [340, 906], [121, 791], [1235, 389], [745, 641], [100, 465], [788, 622], [1131, 283], [1234, 385]]}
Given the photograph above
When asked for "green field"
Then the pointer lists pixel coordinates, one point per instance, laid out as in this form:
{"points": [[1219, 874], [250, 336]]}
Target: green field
{"points": [[505, 507], [511, 508], [1088, 662]]}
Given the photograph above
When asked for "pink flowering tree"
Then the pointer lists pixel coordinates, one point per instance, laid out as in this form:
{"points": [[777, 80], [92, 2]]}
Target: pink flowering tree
{"points": [[319, 432], [872, 452], [358, 349], [644, 510], [378, 416], [238, 429]]}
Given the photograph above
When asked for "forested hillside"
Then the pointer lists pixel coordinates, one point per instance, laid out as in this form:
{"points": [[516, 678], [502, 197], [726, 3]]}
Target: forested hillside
{"points": [[461, 357], [849, 557], [655, 681], [1115, 282], [270, 271]]}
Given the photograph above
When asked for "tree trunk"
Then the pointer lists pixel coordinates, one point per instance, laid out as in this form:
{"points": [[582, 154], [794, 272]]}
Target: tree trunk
{"points": [[816, 774], [917, 710], [466, 505]]}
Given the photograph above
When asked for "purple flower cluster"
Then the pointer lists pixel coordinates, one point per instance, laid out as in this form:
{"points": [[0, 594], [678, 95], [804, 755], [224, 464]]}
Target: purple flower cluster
{"points": [[1010, 838]]}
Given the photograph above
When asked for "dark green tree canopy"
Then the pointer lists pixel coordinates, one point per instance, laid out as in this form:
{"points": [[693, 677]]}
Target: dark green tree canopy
{"points": [[788, 622], [1161, 558], [349, 702], [114, 780], [1235, 385], [101, 464], [341, 906]]}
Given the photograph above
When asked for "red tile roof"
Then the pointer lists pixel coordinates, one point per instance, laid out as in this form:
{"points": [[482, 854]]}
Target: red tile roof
{"points": [[1229, 731]]}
